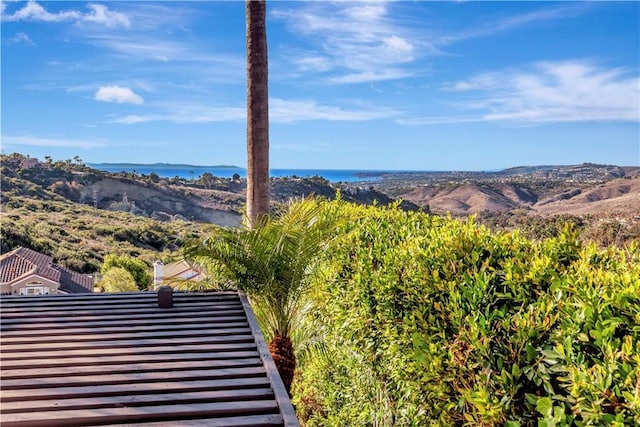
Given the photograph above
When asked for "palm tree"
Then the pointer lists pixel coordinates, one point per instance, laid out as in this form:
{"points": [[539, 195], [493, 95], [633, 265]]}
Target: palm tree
{"points": [[257, 112], [274, 263]]}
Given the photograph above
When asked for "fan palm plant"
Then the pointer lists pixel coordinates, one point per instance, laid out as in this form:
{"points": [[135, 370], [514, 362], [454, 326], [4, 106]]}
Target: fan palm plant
{"points": [[274, 263]]}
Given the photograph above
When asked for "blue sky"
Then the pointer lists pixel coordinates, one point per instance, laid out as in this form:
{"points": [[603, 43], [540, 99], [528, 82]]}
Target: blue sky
{"points": [[357, 85]]}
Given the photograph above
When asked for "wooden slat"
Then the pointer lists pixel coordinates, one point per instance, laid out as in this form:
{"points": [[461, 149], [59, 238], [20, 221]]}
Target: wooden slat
{"points": [[70, 418], [106, 320], [133, 342], [141, 365], [122, 335], [133, 378], [245, 421], [107, 298], [102, 360], [54, 353], [112, 311], [98, 327], [131, 389], [120, 304], [263, 393]]}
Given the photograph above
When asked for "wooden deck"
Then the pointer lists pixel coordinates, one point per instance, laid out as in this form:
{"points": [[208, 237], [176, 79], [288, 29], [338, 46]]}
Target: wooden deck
{"points": [[119, 359]]}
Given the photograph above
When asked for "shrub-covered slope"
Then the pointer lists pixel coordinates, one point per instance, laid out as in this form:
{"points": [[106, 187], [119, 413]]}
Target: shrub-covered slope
{"points": [[79, 236], [423, 320]]}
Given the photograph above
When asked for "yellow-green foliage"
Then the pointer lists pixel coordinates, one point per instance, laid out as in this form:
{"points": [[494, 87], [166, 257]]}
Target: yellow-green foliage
{"points": [[424, 320], [118, 279], [79, 236]]}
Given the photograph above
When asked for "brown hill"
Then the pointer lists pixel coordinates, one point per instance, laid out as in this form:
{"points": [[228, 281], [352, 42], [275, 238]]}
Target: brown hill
{"points": [[615, 197], [464, 198]]}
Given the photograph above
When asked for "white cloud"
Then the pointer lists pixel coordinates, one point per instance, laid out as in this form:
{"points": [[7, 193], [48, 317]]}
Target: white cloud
{"points": [[547, 92], [360, 42], [186, 113], [21, 38], [102, 15], [370, 76], [99, 14], [49, 142], [280, 111], [33, 11], [488, 28], [118, 94], [290, 111], [357, 44]]}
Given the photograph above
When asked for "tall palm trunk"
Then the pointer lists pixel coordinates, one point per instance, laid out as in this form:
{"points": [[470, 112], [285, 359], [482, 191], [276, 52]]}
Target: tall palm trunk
{"points": [[257, 112]]}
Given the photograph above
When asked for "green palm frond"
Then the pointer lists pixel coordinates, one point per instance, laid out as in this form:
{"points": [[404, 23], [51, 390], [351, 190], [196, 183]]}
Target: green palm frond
{"points": [[273, 262]]}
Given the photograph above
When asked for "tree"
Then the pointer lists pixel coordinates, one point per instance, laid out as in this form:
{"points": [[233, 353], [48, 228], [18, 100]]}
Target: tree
{"points": [[207, 179], [138, 269], [257, 112], [117, 279], [274, 262]]}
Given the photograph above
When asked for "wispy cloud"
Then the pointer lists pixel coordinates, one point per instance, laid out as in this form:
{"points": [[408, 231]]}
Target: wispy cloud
{"points": [[27, 140], [186, 113], [280, 111], [494, 26], [118, 94], [290, 111], [21, 38], [360, 41], [97, 14], [546, 92]]}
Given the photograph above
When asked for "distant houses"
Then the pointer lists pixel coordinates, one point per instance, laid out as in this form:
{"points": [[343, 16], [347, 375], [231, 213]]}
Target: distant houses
{"points": [[27, 272], [29, 162], [175, 273]]}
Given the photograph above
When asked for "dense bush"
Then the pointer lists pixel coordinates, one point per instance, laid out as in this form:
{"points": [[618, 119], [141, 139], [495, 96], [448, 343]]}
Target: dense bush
{"points": [[423, 320], [139, 271], [117, 279]]}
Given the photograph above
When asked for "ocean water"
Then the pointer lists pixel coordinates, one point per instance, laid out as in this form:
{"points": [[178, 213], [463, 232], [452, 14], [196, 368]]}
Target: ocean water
{"points": [[188, 172]]}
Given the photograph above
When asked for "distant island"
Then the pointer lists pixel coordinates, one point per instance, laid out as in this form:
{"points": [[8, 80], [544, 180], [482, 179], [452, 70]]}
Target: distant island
{"points": [[160, 165]]}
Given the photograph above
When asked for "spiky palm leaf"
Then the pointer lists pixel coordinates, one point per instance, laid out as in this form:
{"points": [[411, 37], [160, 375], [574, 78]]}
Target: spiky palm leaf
{"points": [[273, 262]]}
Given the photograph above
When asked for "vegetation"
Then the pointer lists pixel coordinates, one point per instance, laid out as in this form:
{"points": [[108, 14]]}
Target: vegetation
{"points": [[603, 231], [138, 270], [79, 236], [274, 263], [424, 320], [118, 279]]}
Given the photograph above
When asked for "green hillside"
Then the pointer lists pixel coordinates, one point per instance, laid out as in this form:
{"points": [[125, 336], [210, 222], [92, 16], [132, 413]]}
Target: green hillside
{"points": [[77, 235]]}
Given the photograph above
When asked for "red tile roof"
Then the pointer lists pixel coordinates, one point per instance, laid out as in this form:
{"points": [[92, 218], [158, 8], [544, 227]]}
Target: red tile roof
{"points": [[22, 261]]}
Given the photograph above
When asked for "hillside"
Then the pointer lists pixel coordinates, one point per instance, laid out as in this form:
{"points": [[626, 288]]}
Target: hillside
{"points": [[78, 215], [619, 197]]}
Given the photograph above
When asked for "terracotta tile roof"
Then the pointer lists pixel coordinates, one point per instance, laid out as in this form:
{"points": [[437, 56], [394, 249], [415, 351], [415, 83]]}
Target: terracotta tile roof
{"points": [[114, 359], [23, 261]]}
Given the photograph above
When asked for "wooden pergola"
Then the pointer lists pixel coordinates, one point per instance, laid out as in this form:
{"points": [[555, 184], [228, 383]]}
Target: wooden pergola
{"points": [[121, 359]]}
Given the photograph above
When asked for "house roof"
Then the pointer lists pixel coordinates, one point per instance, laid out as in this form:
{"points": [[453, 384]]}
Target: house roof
{"points": [[23, 262], [176, 268], [113, 359]]}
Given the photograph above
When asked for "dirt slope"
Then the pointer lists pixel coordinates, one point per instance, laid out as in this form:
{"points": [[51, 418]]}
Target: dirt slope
{"points": [[617, 197]]}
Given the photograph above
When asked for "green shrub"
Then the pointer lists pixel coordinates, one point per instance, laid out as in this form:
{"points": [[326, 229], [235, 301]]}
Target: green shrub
{"points": [[424, 320], [117, 279], [137, 268]]}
